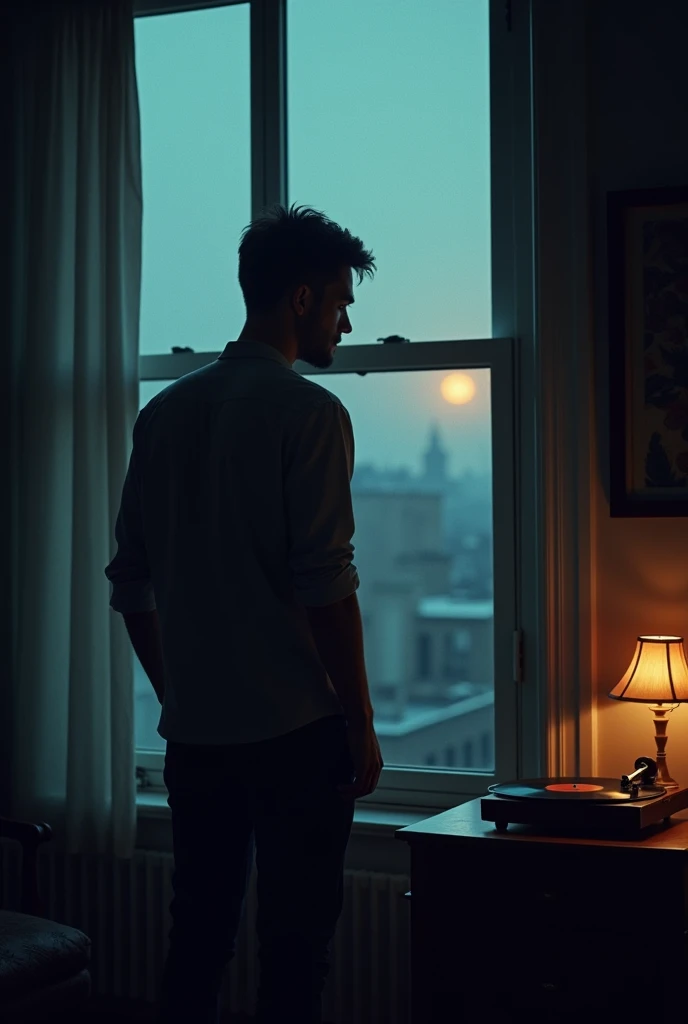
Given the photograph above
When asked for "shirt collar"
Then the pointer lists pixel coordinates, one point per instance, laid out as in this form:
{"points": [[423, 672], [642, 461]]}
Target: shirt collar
{"points": [[253, 350]]}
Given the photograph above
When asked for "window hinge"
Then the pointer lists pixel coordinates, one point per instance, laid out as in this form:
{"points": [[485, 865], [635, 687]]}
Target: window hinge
{"points": [[518, 656], [142, 779]]}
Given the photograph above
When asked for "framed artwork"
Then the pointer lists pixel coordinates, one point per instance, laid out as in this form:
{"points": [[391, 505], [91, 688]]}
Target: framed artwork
{"points": [[648, 349]]}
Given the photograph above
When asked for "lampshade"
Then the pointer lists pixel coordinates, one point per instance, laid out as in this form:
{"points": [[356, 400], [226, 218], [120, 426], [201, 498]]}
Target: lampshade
{"points": [[658, 673]]}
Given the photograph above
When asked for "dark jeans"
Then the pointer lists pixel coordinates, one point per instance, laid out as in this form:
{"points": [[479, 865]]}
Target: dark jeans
{"points": [[279, 795]]}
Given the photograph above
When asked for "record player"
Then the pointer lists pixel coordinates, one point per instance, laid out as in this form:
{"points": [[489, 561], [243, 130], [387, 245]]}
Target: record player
{"points": [[626, 806]]}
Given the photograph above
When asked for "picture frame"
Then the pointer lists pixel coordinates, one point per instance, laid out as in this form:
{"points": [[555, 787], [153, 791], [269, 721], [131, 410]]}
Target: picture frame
{"points": [[647, 231]]}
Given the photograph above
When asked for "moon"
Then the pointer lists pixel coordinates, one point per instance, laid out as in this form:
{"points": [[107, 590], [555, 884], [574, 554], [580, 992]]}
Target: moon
{"points": [[458, 388]]}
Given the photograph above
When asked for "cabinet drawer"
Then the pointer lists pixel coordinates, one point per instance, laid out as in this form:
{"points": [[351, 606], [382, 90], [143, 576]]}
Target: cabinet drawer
{"points": [[553, 891], [580, 905], [566, 972]]}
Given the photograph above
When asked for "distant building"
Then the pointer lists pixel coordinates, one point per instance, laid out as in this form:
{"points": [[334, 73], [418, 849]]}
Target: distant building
{"points": [[431, 680], [459, 735], [427, 611], [454, 645]]}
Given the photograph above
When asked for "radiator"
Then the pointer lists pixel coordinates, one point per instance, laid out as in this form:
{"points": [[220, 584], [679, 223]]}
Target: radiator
{"points": [[123, 907]]}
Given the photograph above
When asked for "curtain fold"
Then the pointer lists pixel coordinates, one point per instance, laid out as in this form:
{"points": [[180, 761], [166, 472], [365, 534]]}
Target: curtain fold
{"points": [[76, 241]]}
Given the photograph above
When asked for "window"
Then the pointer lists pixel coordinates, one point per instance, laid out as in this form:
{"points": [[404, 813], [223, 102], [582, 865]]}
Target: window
{"points": [[459, 664], [407, 573], [196, 169], [193, 73], [462, 640], [408, 581], [424, 656], [398, 143], [395, 143]]}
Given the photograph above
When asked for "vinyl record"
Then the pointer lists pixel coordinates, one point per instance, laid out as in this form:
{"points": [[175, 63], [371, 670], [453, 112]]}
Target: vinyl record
{"points": [[578, 790]]}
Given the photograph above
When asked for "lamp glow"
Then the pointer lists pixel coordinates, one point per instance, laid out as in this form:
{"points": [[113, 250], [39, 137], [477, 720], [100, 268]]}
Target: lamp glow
{"points": [[658, 676]]}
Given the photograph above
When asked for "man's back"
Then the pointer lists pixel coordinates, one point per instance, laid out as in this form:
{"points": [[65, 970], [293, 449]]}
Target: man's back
{"points": [[234, 576], [242, 471]]}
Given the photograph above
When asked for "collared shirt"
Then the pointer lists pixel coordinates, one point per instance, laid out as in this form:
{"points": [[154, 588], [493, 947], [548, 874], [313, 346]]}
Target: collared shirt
{"points": [[236, 515]]}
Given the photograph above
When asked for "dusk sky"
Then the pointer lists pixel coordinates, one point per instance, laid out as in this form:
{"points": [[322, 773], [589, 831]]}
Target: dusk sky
{"points": [[388, 118]]}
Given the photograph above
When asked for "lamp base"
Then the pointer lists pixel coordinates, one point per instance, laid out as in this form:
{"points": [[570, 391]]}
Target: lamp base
{"points": [[663, 776], [660, 711]]}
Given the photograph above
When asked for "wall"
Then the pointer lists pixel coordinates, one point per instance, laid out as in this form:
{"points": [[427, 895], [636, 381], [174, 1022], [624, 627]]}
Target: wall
{"points": [[638, 132]]}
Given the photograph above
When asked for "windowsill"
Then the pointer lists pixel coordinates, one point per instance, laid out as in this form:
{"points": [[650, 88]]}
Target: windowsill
{"points": [[368, 820]]}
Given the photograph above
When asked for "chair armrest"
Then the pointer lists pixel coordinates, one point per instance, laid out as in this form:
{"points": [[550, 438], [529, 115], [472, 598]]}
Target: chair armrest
{"points": [[25, 832], [29, 835]]}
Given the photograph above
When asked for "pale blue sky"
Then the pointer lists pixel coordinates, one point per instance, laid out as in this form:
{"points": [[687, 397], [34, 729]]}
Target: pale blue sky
{"points": [[388, 117]]}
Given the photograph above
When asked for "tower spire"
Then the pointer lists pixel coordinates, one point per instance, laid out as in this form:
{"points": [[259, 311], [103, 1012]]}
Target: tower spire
{"points": [[435, 459]]}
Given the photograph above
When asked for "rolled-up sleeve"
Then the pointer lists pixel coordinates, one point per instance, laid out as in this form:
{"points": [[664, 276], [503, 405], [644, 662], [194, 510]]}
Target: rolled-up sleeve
{"points": [[129, 573], [319, 464]]}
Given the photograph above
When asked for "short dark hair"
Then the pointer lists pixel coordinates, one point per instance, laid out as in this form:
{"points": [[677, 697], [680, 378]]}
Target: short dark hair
{"points": [[283, 248]]}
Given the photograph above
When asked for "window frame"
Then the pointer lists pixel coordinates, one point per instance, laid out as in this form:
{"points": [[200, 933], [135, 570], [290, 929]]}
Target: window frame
{"points": [[150, 8], [519, 739]]}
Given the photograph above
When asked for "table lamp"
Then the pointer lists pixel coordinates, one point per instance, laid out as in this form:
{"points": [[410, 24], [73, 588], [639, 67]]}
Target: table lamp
{"points": [[658, 676]]}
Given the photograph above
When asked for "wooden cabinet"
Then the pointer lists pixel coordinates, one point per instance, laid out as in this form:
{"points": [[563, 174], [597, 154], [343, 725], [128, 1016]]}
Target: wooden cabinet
{"points": [[523, 926]]}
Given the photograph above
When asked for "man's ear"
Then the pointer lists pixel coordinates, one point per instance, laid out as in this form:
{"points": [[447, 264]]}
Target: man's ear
{"points": [[299, 299]]}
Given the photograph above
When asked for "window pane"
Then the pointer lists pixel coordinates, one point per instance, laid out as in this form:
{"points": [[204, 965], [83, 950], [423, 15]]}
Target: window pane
{"points": [[389, 134], [193, 73], [422, 494]]}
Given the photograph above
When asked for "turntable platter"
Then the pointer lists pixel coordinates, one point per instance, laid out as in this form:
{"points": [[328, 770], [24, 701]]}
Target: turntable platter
{"points": [[582, 790]]}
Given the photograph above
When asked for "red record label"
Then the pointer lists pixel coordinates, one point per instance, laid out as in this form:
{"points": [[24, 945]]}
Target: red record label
{"points": [[573, 787]]}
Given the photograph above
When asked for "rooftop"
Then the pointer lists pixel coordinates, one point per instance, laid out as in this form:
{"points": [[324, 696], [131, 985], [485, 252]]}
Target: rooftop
{"points": [[452, 608]]}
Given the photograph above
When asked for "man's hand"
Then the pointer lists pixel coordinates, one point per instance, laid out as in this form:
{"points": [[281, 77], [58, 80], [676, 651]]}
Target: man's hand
{"points": [[365, 752]]}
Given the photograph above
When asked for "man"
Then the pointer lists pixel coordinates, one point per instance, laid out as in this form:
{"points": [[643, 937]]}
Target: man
{"points": [[235, 578]]}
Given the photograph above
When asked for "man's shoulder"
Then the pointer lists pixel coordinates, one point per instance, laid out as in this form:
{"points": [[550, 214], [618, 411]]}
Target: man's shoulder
{"points": [[308, 396], [293, 397]]}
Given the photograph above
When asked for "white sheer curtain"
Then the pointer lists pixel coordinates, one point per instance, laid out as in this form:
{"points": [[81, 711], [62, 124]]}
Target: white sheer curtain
{"points": [[76, 239]]}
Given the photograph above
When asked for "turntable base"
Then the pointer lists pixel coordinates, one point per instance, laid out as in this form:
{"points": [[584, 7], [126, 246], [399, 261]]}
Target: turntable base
{"points": [[629, 818]]}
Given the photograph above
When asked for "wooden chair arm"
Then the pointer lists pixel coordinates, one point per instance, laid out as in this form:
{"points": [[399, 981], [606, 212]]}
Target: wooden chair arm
{"points": [[29, 835]]}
